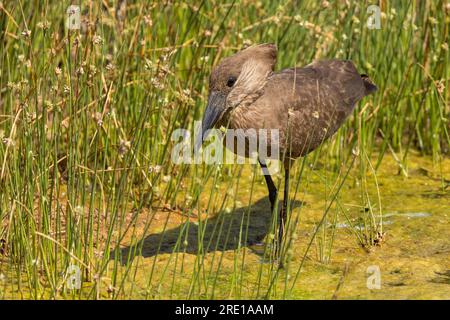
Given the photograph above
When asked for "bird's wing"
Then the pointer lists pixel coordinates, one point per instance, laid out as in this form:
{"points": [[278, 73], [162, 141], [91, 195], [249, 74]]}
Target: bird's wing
{"points": [[314, 100], [338, 79]]}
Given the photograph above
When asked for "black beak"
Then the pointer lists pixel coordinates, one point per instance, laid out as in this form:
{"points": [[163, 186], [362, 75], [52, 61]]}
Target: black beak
{"points": [[213, 113]]}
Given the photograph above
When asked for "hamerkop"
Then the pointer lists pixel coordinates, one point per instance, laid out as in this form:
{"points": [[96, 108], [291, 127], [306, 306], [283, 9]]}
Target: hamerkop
{"points": [[306, 105]]}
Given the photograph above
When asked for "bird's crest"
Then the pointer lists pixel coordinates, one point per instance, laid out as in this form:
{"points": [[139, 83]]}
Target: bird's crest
{"points": [[250, 67], [251, 81]]}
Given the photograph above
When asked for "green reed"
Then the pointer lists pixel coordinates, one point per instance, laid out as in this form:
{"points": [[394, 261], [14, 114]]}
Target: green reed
{"points": [[86, 119]]}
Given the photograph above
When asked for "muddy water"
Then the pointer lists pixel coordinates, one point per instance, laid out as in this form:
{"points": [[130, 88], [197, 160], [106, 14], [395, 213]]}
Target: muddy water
{"points": [[411, 260]]}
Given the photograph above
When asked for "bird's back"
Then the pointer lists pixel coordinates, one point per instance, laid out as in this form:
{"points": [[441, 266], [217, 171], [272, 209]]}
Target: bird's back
{"points": [[306, 104]]}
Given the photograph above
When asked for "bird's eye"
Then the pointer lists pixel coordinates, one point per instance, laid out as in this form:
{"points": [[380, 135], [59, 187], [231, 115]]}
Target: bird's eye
{"points": [[231, 81]]}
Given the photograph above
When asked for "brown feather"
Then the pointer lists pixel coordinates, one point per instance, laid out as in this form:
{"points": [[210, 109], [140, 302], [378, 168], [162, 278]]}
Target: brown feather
{"points": [[307, 105]]}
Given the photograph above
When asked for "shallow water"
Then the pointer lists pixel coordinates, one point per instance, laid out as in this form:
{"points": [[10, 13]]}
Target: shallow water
{"points": [[413, 259], [413, 255]]}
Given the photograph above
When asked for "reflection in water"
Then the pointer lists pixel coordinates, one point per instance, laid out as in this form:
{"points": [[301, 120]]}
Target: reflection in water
{"points": [[387, 222]]}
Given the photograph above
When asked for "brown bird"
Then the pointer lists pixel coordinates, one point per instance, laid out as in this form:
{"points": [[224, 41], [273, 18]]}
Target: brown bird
{"points": [[305, 105]]}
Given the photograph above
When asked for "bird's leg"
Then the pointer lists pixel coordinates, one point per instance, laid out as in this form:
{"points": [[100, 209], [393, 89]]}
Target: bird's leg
{"points": [[270, 185], [283, 212]]}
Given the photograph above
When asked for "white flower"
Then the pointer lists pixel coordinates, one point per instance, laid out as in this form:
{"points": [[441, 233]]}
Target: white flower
{"points": [[97, 39], [26, 33], [155, 169]]}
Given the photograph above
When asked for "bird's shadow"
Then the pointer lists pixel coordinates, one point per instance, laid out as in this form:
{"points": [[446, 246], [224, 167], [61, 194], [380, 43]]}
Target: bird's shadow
{"points": [[242, 227]]}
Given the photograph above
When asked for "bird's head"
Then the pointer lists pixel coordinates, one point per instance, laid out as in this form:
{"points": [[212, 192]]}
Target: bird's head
{"points": [[237, 80]]}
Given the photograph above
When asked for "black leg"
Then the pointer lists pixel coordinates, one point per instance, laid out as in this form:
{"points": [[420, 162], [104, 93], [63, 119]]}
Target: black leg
{"points": [[273, 192], [282, 211], [270, 185]]}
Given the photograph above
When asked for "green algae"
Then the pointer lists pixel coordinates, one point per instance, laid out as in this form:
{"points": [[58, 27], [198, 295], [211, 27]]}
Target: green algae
{"points": [[413, 256]]}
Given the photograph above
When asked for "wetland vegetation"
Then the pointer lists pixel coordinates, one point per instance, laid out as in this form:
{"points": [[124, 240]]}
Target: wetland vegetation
{"points": [[92, 207]]}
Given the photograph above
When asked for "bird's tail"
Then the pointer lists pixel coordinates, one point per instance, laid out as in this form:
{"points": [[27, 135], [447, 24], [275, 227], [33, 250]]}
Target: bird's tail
{"points": [[368, 84]]}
